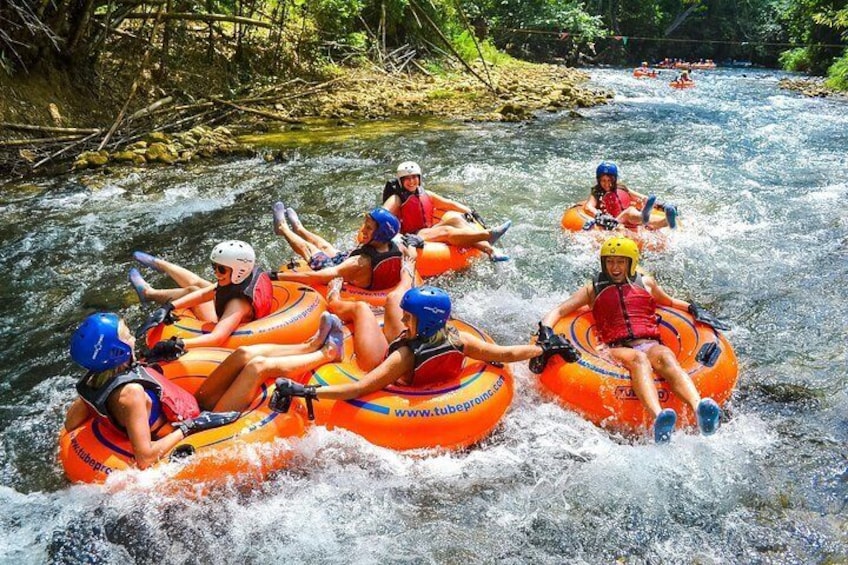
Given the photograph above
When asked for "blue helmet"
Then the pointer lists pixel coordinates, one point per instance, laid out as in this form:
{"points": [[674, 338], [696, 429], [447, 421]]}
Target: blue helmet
{"points": [[388, 225], [96, 345], [431, 307], [606, 168]]}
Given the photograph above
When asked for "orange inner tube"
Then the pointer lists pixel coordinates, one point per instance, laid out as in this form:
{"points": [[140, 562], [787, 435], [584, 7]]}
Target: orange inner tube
{"points": [[96, 449], [601, 390], [575, 217], [451, 414], [294, 317]]}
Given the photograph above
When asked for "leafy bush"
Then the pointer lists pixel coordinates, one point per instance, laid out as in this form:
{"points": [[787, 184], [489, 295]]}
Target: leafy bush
{"points": [[795, 60], [838, 73], [464, 45]]}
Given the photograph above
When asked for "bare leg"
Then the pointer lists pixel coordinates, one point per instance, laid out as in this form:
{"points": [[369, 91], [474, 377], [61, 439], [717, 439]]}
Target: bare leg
{"points": [[214, 387], [181, 275], [163, 295], [258, 370], [297, 243], [313, 238], [369, 343], [187, 280], [641, 375], [665, 364], [461, 237], [392, 321], [633, 217], [147, 292]]}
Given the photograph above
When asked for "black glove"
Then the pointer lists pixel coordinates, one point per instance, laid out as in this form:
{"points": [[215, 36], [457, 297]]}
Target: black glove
{"points": [[412, 240], [274, 275], [162, 315], [207, 421], [473, 216], [552, 344], [704, 316], [166, 350], [543, 339], [606, 221], [287, 389]]}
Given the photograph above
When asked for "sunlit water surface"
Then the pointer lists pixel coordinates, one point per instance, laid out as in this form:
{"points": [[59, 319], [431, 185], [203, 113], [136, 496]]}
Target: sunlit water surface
{"points": [[759, 175]]}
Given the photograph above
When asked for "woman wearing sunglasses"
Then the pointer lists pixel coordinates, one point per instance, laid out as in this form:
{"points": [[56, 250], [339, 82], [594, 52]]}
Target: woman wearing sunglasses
{"points": [[241, 292]]}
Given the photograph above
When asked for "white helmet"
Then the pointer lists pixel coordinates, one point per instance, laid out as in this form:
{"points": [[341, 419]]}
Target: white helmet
{"points": [[407, 169], [238, 256]]}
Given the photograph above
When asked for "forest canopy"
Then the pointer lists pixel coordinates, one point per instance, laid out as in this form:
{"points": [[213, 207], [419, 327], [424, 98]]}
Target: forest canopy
{"points": [[261, 37]]}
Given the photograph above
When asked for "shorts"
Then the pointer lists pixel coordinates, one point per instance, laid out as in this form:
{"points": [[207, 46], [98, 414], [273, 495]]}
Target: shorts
{"points": [[321, 260], [643, 346]]}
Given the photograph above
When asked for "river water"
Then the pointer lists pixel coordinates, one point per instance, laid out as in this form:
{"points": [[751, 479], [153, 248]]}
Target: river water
{"points": [[759, 176]]}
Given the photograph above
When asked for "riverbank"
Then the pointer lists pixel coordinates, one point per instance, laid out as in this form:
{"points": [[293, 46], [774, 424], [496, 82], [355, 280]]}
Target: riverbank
{"points": [[178, 131], [812, 87]]}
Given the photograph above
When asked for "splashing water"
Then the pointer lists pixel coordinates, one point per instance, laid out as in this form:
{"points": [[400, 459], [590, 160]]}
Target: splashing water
{"points": [[758, 174]]}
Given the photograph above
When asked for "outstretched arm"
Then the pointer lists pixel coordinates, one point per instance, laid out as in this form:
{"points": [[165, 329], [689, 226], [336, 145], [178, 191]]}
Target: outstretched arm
{"points": [[580, 298], [476, 348], [199, 296], [661, 296], [447, 204], [235, 312], [348, 270], [394, 367], [638, 195]]}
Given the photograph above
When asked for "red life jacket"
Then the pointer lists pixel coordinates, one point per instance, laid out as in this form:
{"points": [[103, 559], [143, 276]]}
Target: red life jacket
{"points": [[434, 362], [177, 404], [416, 212], [614, 202], [623, 311], [385, 266], [416, 208], [256, 288]]}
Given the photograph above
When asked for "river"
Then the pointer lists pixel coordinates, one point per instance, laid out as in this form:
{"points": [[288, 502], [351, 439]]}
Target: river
{"points": [[759, 176]]}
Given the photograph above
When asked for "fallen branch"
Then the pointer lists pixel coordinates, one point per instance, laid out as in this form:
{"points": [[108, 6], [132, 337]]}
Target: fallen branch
{"points": [[66, 148], [262, 113], [46, 129], [155, 106], [38, 141]]}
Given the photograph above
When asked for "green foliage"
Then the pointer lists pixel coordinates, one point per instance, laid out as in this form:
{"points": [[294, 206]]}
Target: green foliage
{"points": [[838, 73], [815, 22], [334, 18], [441, 94], [543, 20], [796, 60], [464, 45]]}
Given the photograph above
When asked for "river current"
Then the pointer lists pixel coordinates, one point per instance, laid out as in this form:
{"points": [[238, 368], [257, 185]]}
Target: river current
{"points": [[759, 176]]}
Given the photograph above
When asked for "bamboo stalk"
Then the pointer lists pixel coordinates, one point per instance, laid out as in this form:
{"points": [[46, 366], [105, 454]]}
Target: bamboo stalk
{"points": [[432, 24], [188, 16], [474, 39], [134, 87]]}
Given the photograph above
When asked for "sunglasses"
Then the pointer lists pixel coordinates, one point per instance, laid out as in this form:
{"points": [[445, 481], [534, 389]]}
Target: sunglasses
{"points": [[220, 269]]}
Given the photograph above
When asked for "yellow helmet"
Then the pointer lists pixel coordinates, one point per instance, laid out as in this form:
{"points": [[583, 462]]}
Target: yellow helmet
{"points": [[620, 247]]}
